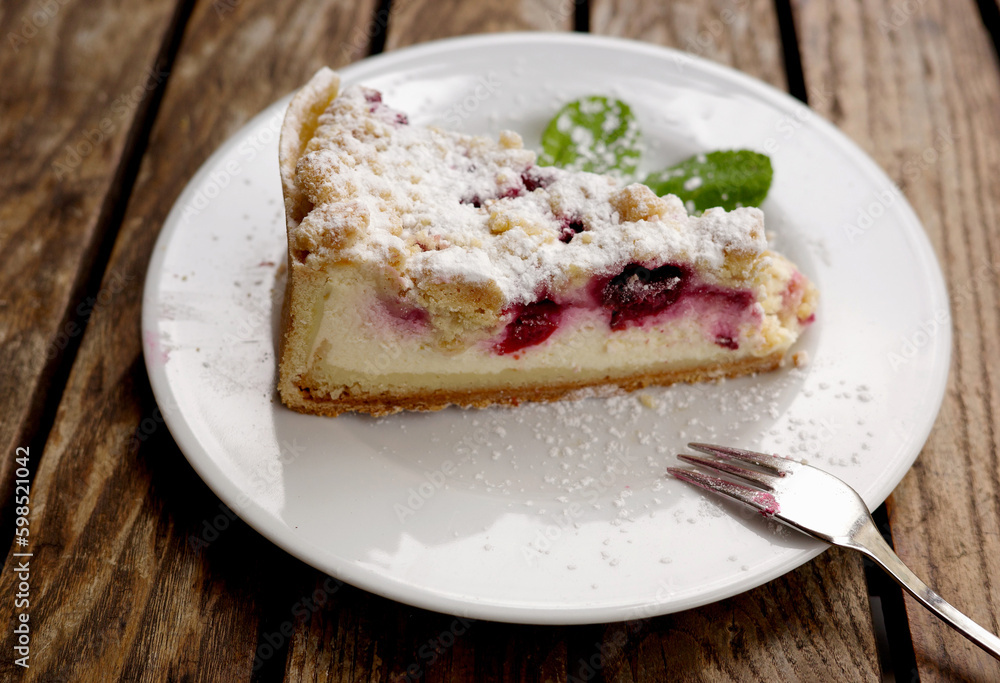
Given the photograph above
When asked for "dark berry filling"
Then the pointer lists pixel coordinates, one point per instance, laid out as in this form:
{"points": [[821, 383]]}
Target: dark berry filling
{"points": [[534, 178], [725, 299], [532, 324], [639, 292], [477, 201], [570, 229], [633, 295]]}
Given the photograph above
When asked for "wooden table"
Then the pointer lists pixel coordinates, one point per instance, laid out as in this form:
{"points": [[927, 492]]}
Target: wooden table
{"points": [[105, 113]]}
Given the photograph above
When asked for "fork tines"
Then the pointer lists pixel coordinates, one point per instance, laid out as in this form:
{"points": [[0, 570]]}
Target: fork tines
{"points": [[762, 500], [759, 478], [759, 495], [771, 463]]}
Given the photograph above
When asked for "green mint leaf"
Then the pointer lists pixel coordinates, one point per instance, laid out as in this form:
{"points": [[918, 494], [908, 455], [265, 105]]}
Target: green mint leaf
{"points": [[593, 134], [729, 179]]}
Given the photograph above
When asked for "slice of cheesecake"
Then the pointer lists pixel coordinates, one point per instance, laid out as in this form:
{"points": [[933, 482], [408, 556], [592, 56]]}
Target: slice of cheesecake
{"points": [[429, 268]]}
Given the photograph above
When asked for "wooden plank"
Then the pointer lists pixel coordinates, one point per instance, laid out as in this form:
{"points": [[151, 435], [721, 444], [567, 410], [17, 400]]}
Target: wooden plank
{"points": [[417, 21], [117, 591], [918, 86], [362, 637], [67, 116], [837, 640], [739, 33], [803, 627]]}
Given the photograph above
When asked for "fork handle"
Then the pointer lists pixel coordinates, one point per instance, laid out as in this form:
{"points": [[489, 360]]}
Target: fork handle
{"points": [[869, 541]]}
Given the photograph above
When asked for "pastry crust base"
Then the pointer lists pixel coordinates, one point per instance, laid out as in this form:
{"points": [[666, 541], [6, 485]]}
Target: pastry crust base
{"points": [[301, 400]]}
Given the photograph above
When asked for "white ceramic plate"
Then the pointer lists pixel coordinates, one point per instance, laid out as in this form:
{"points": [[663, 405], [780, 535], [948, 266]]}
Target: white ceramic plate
{"points": [[551, 513]]}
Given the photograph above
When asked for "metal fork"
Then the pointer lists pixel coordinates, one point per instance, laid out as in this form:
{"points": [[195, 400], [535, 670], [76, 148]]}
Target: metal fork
{"points": [[820, 505]]}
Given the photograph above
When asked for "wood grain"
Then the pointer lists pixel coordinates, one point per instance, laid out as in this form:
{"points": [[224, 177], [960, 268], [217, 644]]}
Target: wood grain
{"points": [[417, 21], [738, 33], [918, 86], [118, 590], [362, 637], [802, 627], [67, 116]]}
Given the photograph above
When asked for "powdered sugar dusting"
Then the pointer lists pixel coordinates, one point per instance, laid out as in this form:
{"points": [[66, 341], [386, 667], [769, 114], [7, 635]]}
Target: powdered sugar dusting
{"points": [[444, 206]]}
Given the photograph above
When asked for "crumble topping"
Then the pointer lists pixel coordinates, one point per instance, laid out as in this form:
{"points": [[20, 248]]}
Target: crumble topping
{"points": [[469, 227]]}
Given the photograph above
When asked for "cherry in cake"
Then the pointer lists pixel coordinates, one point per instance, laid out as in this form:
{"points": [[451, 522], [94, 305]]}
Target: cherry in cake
{"points": [[429, 268]]}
